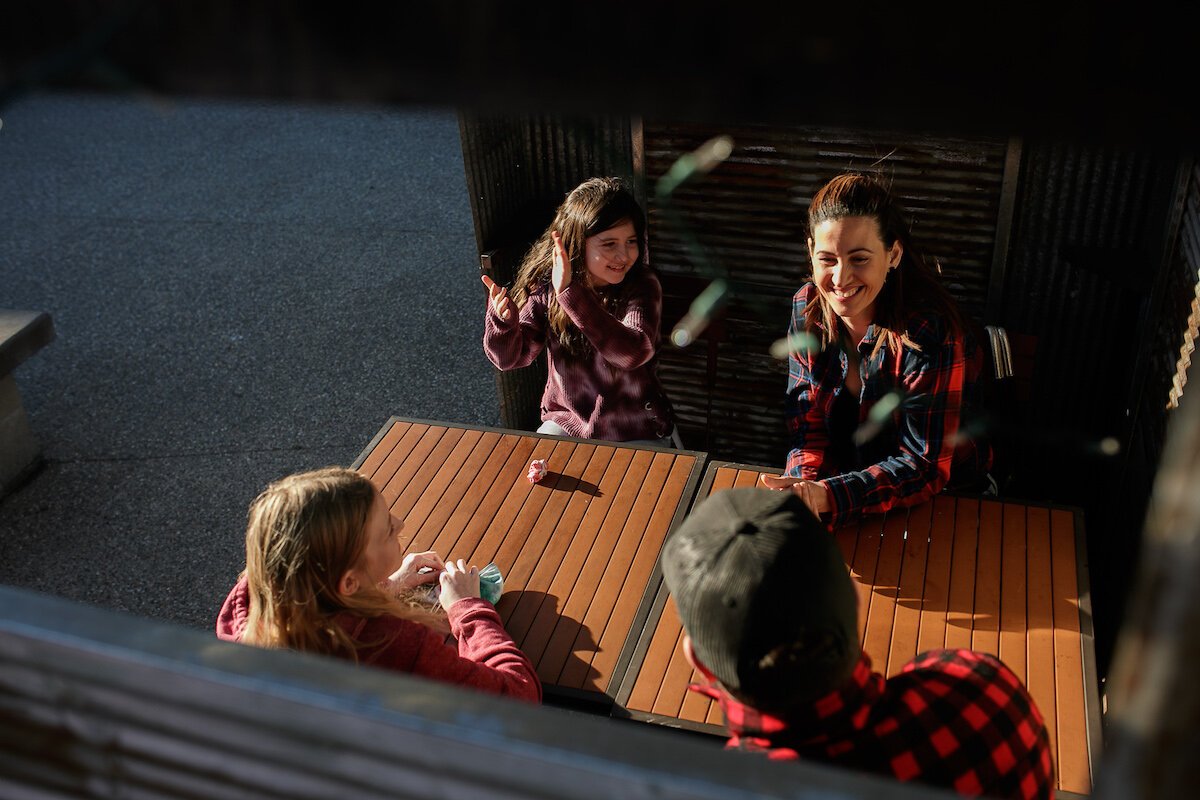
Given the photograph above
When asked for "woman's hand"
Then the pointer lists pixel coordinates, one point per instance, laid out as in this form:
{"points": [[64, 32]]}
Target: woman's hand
{"points": [[458, 581], [814, 493], [502, 304], [560, 276], [410, 573]]}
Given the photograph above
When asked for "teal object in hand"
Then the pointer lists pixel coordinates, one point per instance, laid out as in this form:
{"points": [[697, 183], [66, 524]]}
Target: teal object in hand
{"points": [[491, 583]]}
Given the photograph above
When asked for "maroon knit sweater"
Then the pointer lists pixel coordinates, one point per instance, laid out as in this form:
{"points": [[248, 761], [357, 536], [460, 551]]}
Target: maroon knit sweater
{"points": [[612, 392], [486, 658]]}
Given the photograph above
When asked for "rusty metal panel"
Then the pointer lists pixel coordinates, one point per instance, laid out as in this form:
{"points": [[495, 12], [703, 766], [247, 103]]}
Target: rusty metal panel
{"points": [[748, 216]]}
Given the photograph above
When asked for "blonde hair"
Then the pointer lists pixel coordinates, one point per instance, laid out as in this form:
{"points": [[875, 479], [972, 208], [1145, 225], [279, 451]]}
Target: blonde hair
{"points": [[303, 534]]}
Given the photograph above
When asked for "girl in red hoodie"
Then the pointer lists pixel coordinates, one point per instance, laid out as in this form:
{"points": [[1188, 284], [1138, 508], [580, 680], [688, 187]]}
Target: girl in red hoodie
{"points": [[325, 574]]}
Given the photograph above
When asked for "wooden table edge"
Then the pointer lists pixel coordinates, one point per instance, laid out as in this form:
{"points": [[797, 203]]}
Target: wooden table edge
{"points": [[701, 455]]}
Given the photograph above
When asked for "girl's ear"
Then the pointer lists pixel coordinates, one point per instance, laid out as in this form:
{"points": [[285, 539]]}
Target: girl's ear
{"points": [[895, 253], [690, 654], [348, 585]]}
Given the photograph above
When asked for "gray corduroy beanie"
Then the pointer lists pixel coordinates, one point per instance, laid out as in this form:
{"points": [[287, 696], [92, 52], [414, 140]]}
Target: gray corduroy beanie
{"points": [[764, 594]]}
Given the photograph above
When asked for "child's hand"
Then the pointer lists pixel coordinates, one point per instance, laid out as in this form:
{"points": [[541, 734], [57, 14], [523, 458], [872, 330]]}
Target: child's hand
{"points": [[560, 276], [458, 581], [815, 494], [502, 305], [410, 573]]}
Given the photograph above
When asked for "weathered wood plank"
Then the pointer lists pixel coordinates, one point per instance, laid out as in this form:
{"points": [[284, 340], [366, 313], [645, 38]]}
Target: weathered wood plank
{"points": [[936, 600], [881, 616], [1013, 624], [960, 617], [985, 635], [101, 703], [1074, 770], [1040, 677], [911, 589]]}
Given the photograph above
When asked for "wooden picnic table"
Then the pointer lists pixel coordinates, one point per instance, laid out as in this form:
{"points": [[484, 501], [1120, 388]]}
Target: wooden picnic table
{"points": [[1003, 577], [578, 551]]}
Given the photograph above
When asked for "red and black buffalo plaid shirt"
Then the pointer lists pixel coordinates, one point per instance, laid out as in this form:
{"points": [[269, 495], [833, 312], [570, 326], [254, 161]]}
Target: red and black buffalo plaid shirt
{"points": [[953, 718]]}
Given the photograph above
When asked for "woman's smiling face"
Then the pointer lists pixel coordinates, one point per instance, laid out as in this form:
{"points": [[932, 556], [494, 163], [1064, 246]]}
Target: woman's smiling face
{"points": [[610, 254], [850, 264]]}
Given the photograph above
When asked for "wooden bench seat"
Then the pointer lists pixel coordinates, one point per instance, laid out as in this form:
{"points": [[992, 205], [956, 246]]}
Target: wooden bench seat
{"points": [[98, 703]]}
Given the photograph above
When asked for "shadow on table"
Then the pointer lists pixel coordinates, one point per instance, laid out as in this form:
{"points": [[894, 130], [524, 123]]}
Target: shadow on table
{"points": [[560, 647], [569, 483]]}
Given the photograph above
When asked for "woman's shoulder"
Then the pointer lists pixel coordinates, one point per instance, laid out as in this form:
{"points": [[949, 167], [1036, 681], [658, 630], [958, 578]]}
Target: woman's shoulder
{"points": [[805, 294], [381, 627], [929, 329]]}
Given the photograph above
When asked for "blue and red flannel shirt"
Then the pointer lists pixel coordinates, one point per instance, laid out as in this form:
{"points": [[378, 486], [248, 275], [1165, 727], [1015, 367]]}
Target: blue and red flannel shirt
{"points": [[910, 458], [957, 719]]}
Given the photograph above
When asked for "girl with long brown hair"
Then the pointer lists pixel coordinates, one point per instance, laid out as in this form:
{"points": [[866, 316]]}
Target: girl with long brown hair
{"points": [[585, 294]]}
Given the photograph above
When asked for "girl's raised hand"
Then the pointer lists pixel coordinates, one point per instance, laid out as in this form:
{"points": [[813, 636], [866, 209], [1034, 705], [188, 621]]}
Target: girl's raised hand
{"points": [[410, 573], [502, 305], [561, 274], [458, 581]]}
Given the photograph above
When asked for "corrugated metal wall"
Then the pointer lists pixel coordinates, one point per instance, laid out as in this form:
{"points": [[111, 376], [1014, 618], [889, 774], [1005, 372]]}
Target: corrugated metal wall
{"points": [[1087, 251], [1118, 513], [748, 216], [1087, 274]]}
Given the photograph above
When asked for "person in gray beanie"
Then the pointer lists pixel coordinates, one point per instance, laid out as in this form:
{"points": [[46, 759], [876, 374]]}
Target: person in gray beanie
{"points": [[770, 621]]}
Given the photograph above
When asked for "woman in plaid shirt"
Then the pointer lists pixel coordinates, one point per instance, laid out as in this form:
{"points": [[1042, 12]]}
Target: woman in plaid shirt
{"points": [[881, 368], [585, 294]]}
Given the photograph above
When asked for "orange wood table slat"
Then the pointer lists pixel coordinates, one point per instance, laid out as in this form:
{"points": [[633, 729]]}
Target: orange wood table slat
{"points": [[1006, 578], [579, 550]]}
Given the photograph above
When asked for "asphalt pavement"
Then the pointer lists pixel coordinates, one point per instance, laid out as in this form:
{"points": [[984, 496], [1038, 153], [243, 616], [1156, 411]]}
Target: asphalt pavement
{"points": [[240, 290]]}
